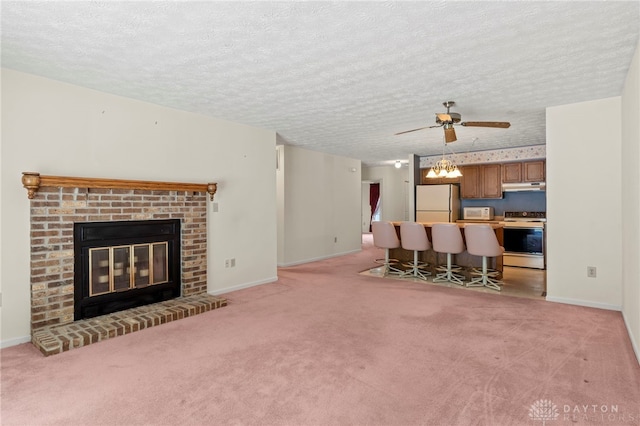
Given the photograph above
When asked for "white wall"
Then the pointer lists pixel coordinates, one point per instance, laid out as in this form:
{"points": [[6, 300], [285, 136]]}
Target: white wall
{"points": [[366, 207], [631, 202], [60, 129], [319, 205], [394, 190], [584, 222]]}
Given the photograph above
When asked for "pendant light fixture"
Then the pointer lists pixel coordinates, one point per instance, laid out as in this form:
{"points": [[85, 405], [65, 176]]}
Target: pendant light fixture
{"points": [[444, 168]]}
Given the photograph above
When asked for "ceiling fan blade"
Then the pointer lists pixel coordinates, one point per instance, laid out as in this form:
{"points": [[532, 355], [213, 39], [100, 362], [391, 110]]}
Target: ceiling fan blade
{"points": [[415, 130], [449, 134], [444, 117], [500, 124], [409, 131]]}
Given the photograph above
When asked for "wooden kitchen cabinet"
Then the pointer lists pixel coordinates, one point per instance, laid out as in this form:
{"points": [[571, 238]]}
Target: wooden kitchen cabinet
{"points": [[481, 181], [491, 181], [533, 171], [470, 182], [512, 172], [523, 171]]}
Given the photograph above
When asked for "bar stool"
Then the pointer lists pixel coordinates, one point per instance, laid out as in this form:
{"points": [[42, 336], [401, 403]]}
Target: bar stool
{"points": [[385, 237], [482, 241], [447, 238], [413, 236]]}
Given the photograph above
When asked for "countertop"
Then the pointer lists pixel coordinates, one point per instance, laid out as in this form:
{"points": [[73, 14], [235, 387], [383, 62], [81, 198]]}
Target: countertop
{"points": [[461, 223], [479, 221], [496, 219]]}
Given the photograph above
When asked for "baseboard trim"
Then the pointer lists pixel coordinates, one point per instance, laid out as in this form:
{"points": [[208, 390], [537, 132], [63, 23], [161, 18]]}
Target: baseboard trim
{"points": [[218, 292], [584, 303], [15, 341], [315, 259], [634, 343]]}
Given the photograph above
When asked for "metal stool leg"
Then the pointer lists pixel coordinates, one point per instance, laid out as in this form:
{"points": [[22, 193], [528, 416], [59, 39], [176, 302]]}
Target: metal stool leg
{"points": [[388, 264], [449, 274], [416, 268], [485, 277]]}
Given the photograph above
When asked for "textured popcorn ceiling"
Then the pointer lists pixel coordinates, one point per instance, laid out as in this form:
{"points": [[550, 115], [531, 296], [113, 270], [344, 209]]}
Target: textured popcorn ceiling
{"points": [[338, 77]]}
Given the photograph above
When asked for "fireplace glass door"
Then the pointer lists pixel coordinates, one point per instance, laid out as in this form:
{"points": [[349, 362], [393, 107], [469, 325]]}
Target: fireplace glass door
{"points": [[123, 268]]}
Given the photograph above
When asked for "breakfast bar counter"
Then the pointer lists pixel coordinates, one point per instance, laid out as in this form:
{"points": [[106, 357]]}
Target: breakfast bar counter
{"points": [[463, 259]]}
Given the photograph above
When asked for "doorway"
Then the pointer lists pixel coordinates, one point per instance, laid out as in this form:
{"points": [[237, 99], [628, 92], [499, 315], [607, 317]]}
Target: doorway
{"points": [[371, 204]]}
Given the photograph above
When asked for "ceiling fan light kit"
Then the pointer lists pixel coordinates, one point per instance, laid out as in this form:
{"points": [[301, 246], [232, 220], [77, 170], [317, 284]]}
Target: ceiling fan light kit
{"points": [[444, 168]]}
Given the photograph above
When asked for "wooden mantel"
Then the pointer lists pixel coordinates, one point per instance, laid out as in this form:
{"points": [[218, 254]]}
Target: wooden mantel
{"points": [[32, 181]]}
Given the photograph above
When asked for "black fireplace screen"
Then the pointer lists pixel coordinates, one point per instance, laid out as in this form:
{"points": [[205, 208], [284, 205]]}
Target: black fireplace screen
{"points": [[121, 265]]}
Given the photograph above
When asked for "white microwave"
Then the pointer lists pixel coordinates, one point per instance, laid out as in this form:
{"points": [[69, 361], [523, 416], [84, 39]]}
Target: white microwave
{"points": [[477, 213]]}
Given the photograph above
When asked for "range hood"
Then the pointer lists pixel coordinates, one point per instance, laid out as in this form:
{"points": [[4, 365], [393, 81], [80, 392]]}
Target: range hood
{"points": [[524, 186]]}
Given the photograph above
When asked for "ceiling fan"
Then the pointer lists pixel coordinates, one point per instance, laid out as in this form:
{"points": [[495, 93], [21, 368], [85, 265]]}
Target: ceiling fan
{"points": [[448, 119]]}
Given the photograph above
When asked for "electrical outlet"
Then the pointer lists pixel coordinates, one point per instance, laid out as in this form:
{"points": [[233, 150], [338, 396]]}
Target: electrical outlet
{"points": [[227, 263], [591, 271]]}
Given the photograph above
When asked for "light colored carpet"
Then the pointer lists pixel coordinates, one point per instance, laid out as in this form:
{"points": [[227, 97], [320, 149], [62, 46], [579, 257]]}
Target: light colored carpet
{"points": [[328, 346]]}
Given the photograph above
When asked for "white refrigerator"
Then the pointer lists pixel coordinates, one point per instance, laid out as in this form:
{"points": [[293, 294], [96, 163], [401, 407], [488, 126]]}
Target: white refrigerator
{"points": [[437, 203]]}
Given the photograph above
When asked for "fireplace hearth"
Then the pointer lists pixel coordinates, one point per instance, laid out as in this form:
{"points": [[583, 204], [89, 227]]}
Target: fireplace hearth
{"points": [[124, 264]]}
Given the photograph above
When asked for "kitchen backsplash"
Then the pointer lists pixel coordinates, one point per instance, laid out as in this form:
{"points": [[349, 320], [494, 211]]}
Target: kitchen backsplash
{"points": [[532, 201]]}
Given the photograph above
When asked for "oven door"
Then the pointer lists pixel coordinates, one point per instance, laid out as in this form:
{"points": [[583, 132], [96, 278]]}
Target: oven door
{"points": [[524, 244]]}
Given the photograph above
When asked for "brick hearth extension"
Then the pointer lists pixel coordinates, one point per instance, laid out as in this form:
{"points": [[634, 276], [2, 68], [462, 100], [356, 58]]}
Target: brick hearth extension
{"points": [[58, 202], [60, 338]]}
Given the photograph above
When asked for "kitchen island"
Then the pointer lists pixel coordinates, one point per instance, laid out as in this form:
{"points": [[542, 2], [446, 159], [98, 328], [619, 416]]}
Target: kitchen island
{"points": [[463, 259]]}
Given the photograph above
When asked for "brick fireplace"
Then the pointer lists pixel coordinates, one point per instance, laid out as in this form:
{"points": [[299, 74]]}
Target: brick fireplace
{"points": [[55, 210]]}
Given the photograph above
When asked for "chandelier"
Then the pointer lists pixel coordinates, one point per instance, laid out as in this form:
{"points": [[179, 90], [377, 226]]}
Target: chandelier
{"points": [[444, 168]]}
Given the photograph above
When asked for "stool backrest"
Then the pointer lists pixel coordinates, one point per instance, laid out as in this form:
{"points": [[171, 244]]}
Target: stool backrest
{"points": [[446, 238], [413, 236], [384, 235], [481, 240]]}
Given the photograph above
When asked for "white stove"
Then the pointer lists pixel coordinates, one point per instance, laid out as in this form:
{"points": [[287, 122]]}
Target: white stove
{"points": [[524, 239]]}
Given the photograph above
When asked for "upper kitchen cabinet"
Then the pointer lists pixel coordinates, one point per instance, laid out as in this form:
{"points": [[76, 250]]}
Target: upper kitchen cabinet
{"points": [[524, 171], [470, 182], [481, 181], [533, 171], [424, 180]]}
